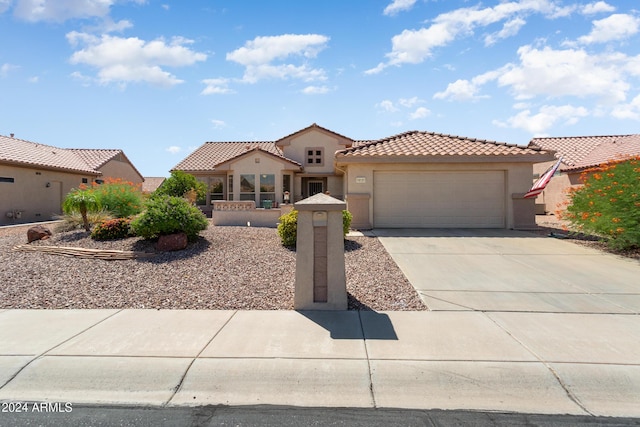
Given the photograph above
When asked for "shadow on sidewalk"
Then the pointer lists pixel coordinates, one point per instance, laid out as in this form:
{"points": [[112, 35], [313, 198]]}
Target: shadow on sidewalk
{"points": [[342, 325]]}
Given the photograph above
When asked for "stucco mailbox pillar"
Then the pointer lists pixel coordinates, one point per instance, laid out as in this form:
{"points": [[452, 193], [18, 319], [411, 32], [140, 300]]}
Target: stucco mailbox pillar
{"points": [[320, 274]]}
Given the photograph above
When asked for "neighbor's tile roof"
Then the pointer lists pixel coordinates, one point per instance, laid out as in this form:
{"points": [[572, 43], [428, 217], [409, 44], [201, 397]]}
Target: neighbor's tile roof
{"points": [[419, 143], [581, 152], [151, 183], [95, 158], [211, 154], [27, 153]]}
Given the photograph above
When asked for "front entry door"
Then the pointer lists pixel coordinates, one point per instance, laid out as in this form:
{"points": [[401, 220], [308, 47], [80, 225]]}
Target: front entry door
{"points": [[315, 187]]}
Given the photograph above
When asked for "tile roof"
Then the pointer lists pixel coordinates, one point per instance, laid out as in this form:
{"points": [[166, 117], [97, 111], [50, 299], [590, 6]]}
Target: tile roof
{"points": [[151, 183], [419, 144], [581, 152], [95, 158], [27, 153], [211, 154], [313, 126]]}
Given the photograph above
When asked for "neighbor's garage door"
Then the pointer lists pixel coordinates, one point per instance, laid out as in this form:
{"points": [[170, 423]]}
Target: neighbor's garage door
{"points": [[439, 199]]}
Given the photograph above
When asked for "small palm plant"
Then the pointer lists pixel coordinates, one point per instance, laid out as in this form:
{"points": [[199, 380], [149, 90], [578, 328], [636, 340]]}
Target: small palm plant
{"points": [[81, 200]]}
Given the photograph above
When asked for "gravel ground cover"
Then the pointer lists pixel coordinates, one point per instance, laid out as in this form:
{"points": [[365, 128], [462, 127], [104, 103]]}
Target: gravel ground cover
{"points": [[242, 268]]}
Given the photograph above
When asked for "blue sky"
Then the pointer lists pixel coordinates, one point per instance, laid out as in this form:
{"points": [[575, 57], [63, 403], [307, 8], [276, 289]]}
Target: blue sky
{"points": [[159, 78]]}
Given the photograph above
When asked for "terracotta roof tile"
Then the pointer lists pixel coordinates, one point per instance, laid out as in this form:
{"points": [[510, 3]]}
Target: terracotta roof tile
{"points": [[211, 154], [418, 143], [150, 184], [21, 152], [581, 152], [96, 158]]}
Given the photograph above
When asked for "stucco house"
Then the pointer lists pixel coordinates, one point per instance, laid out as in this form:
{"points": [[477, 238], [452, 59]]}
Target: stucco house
{"points": [[414, 179], [35, 178], [579, 153]]}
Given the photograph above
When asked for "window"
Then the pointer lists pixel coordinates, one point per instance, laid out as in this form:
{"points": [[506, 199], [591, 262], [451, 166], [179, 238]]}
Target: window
{"points": [[85, 181], [315, 156], [216, 187], [247, 187], [5, 179], [201, 201], [267, 187], [230, 188]]}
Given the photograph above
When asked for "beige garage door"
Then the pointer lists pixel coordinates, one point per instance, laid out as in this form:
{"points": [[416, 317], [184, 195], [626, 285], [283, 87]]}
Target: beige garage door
{"points": [[439, 199]]}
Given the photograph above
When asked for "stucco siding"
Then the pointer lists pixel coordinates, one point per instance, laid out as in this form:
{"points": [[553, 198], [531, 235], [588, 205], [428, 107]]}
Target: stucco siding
{"points": [[118, 169], [31, 197]]}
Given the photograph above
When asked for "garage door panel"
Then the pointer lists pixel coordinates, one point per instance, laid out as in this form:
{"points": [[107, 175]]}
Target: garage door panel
{"points": [[439, 199]]}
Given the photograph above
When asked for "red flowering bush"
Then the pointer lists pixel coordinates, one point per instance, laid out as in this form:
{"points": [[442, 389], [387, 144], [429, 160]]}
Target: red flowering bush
{"points": [[117, 228], [608, 204], [121, 198]]}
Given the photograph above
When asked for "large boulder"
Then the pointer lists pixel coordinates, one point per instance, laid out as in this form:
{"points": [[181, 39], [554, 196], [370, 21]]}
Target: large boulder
{"points": [[38, 232], [172, 242]]}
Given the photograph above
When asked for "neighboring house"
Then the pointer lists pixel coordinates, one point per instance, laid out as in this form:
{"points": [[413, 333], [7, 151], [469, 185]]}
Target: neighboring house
{"points": [[35, 178], [415, 179], [151, 184], [579, 153]]}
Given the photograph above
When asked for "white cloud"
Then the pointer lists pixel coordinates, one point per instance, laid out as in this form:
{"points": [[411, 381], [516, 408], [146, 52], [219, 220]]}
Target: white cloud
{"points": [[387, 106], [568, 72], [628, 111], [409, 102], [509, 29], [597, 7], [123, 60], [216, 87], [420, 113], [258, 57], [62, 10], [398, 6], [4, 5], [174, 149], [218, 124], [6, 68], [547, 116], [34, 79], [414, 46], [315, 90], [465, 90], [615, 27]]}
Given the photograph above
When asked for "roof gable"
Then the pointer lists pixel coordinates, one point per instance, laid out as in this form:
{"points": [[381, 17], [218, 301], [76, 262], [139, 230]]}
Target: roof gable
{"points": [[420, 144], [259, 150], [314, 127], [98, 157], [581, 152]]}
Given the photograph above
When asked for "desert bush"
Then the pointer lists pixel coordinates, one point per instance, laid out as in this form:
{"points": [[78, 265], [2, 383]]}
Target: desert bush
{"points": [[121, 198], [167, 215], [288, 226], [73, 220], [608, 204], [179, 184], [112, 229]]}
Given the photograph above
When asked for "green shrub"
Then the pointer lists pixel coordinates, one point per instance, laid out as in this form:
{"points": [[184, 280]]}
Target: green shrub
{"points": [[167, 215], [179, 184], [121, 198], [288, 226], [117, 228], [346, 221], [608, 204], [83, 201]]}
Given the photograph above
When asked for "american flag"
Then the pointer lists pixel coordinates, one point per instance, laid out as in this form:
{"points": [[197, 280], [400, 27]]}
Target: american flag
{"points": [[542, 182]]}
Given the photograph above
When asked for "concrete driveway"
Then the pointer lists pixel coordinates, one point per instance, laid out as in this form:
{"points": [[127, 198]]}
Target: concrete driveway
{"points": [[512, 271]]}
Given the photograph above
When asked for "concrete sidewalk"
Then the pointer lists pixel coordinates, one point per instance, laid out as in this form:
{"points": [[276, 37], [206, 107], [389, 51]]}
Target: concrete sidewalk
{"points": [[548, 363]]}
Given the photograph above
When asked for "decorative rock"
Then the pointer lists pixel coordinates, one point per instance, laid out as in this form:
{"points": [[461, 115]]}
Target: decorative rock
{"points": [[172, 242], [38, 232]]}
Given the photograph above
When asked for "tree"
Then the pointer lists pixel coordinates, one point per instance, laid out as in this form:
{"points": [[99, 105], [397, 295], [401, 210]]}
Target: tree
{"points": [[179, 184], [81, 200]]}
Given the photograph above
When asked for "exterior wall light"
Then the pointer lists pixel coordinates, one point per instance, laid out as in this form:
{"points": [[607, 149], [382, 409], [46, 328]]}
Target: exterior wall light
{"points": [[48, 184]]}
